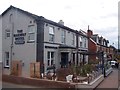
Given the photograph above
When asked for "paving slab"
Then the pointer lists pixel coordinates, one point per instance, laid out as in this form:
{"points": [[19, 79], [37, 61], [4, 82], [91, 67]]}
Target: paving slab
{"points": [[111, 81]]}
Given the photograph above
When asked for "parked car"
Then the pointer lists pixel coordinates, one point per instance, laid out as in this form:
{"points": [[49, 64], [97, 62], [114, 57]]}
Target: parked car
{"points": [[113, 63]]}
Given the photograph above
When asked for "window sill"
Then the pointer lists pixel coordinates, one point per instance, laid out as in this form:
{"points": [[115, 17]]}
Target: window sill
{"points": [[50, 67], [7, 67], [31, 41], [51, 41]]}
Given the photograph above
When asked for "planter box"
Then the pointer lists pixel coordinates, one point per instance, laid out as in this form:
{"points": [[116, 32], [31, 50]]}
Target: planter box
{"points": [[91, 85], [16, 68], [35, 70], [107, 72]]}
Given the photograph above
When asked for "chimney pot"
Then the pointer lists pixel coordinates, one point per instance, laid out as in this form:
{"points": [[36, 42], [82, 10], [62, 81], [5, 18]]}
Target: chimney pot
{"points": [[89, 33]]}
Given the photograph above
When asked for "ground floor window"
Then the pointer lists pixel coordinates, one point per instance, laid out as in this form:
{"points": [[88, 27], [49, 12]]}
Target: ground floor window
{"points": [[7, 63], [50, 57]]}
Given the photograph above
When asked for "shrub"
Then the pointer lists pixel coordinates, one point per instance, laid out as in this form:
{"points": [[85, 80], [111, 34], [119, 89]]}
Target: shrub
{"points": [[86, 69], [83, 70], [93, 61]]}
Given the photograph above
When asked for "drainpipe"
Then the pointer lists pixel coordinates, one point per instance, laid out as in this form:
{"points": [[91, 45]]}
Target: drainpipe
{"points": [[12, 37], [77, 48]]}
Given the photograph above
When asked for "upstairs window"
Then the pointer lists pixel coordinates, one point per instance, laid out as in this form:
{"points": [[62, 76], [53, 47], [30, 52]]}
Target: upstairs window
{"points": [[73, 39], [7, 33], [63, 36], [31, 33], [85, 43], [81, 43], [51, 34]]}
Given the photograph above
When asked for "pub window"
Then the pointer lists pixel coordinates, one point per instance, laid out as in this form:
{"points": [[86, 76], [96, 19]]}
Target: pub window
{"points": [[51, 34], [81, 41], [73, 39], [7, 59], [63, 36], [7, 33], [50, 57], [85, 43], [31, 33]]}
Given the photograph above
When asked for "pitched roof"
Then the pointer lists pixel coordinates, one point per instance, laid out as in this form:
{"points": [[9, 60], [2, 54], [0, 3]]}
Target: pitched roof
{"points": [[25, 12], [83, 33], [36, 17], [93, 41]]}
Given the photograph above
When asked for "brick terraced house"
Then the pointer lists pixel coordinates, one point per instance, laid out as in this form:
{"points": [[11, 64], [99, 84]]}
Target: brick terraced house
{"points": [[97, 44]]}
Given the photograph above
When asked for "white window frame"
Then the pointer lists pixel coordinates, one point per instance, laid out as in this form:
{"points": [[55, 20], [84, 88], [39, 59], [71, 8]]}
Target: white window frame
{"points": [[7, 59], [63, 36], [73, 39], [51, 34], [7, 32], [81, 41], [85, 42], [30, 33], [50, 60]]}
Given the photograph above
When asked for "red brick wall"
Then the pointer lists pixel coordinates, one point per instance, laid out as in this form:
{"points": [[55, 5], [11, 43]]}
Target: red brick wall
{"points": [[36, 82], [92, 47]]}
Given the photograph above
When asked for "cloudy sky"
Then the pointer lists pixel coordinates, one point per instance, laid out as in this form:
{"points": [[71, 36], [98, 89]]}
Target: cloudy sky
{"points": [[101, 15]]}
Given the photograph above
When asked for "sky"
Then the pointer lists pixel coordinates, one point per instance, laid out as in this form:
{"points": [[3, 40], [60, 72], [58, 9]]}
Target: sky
{"points": [[100, 15]]}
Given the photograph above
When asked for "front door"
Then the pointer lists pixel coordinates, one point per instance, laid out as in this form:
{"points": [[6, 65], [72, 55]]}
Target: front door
{"points": [[74, 58], [64, 59]]}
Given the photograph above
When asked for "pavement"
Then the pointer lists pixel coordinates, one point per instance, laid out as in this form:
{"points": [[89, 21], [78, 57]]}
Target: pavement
{"points": [[111, 81]]}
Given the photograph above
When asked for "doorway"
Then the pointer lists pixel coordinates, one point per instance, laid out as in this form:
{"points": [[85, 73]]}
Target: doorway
{"points": [[73, 58], [64, 59]]}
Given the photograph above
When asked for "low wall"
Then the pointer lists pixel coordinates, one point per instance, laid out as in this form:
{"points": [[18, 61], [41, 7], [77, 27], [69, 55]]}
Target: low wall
{"points": [[42, 83], [91, 85], [36, 82], [107, 72]]}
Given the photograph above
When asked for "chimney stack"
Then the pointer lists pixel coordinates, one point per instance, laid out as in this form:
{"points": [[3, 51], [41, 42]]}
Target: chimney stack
{"points": [[61, 22], [89, 32]]}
